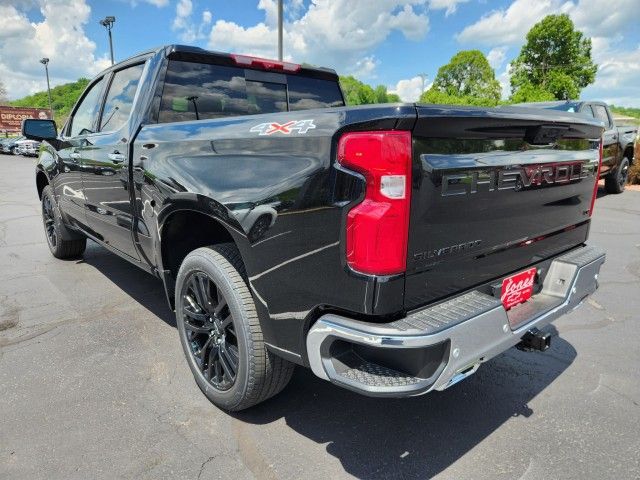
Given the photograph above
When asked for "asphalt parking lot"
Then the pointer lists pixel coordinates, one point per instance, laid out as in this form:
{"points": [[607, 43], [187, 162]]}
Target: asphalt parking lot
{"points": [[93, 383]]}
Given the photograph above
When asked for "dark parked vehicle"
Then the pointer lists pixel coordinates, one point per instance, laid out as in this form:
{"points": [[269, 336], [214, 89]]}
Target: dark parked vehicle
{"points": [[9, 145], [400, 246], [618, 141]]}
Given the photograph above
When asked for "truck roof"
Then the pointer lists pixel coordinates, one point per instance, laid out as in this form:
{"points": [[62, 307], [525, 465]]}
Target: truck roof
{"points": [[200, 54]]}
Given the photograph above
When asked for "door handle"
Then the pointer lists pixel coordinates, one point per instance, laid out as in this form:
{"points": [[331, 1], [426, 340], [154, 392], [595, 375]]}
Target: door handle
{"points": [[116, 157]]}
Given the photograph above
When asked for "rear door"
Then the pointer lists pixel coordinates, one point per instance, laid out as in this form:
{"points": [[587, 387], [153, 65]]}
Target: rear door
{"points": [[487, 201], [609, 137], [106, 178]]}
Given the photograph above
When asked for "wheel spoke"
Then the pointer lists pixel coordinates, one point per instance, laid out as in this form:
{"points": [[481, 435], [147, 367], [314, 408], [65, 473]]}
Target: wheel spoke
{"points": [[201, 317], [203, 351], [195, 328], [226, 322], [229, 364], [222, 303], [195, 288], [211, 361], [203, 283]]}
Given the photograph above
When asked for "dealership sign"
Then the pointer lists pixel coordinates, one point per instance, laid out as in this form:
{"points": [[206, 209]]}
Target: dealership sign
{"points": [[11, 117]]}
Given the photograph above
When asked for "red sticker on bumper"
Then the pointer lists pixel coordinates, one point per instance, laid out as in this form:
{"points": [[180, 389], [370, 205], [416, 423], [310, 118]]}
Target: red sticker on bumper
{"points": [[517, 288]]}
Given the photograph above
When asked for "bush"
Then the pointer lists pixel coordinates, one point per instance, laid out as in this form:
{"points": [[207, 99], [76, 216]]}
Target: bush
{"points": [[634, 173]]}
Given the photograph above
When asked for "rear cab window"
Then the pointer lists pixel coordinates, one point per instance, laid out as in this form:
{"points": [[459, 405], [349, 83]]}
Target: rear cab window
{"points": [[199, 91]]}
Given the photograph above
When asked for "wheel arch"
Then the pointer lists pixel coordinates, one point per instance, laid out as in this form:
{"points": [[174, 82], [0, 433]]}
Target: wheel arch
{"points": [[184, 226], [41, 181]]}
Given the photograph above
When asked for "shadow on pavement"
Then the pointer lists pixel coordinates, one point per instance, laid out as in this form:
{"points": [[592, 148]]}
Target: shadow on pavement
{"points": [[414, 437], [383, 438]]}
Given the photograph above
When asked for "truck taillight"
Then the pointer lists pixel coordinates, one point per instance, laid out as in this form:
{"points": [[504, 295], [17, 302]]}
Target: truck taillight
{"points": [[595, 187], [378, 227]]}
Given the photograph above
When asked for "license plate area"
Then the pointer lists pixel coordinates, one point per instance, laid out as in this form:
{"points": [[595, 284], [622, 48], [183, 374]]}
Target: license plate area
{"points": [[517, 288]]}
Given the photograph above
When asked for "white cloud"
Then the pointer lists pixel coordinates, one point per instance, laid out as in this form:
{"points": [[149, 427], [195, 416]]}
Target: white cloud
{"points": [[603, 17], [183, 23], [506, 26], [409, 90], [155, 3], [337, 33], [59, 36], [450, 5], [617, 78], [510, 25], [496, 56]]}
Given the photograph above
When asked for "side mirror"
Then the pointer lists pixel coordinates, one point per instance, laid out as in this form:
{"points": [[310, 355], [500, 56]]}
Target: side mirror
{"points": [[36, 129]]}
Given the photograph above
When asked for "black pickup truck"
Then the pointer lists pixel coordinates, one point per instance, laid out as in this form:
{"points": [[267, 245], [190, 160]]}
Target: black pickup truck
{"points": [[390, 248], [618, 140]]}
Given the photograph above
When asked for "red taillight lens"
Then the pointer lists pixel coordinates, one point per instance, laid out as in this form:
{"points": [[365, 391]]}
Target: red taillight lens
{"points": [[378, 227], [595, 187]]}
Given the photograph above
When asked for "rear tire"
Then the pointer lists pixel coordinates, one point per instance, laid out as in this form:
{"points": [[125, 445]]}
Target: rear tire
{"points": [[617, 180], [54, 229], [220, 332]]}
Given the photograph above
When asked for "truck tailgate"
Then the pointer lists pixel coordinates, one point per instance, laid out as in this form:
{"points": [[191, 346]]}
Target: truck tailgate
{"points": [[494, 191]]}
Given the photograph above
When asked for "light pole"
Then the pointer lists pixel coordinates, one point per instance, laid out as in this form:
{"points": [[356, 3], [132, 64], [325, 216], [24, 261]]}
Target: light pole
{"points": [[108, 22], [45, 62], [423, 76], [280, 30]]}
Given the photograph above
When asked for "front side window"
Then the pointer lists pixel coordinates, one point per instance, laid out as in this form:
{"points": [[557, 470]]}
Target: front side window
{"points": [[84, 118], [119, 101]]}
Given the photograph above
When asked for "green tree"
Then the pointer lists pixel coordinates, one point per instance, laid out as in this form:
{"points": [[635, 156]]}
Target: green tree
{"points": [[467, 79], [555, 59], [63, 98], [359, 93]]}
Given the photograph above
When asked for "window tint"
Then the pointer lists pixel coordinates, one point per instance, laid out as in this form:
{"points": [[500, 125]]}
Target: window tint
{"points": [[197, 91], [119, 102], [601, 113], [305, 93], [84, 117], [588, 111]]}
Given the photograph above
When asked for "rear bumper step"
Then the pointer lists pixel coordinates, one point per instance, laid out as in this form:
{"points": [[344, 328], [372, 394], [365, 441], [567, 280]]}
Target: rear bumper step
{"points": [[434, 348]]}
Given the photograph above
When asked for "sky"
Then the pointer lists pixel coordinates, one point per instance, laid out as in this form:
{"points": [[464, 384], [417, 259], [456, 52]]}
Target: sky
{"points": [[388, 42]]}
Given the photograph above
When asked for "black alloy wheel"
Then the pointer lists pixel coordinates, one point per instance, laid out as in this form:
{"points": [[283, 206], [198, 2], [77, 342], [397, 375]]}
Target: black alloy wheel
{"points": [[49, 220], [210, 331]]}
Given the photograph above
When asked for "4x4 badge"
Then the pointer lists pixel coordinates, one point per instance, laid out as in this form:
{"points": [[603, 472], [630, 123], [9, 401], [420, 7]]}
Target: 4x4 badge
{"points": [[299, 126]]}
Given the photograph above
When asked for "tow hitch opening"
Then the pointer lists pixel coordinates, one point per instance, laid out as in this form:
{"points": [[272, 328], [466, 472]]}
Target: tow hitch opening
{"points": [[534, 339]]}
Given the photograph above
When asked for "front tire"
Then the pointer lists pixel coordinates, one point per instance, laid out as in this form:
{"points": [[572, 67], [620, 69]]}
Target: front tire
{"points": [[616, 181], [54, 229], [220, 332]]}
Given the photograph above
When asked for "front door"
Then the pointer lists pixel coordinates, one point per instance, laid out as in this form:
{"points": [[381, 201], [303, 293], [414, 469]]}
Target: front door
{"points": [[107, 179], [74, 153]]}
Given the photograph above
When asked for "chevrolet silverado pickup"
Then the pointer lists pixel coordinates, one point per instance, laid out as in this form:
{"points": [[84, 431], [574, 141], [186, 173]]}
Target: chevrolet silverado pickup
{"points": [[392, 249], [617, 140]]}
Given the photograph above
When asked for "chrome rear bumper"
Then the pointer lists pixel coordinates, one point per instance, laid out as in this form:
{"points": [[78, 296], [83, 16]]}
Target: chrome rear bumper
{"points": [[454, 336]]}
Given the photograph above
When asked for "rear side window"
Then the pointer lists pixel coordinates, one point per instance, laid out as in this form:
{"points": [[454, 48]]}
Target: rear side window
{"points": [[119, 102], [601, 114], [198, 91], [305, 93]]}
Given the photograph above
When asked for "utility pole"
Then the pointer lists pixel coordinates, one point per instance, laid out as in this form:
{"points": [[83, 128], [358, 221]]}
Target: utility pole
{"points": [[45, 62], [108, 22], [424, 77], [280, 8]]}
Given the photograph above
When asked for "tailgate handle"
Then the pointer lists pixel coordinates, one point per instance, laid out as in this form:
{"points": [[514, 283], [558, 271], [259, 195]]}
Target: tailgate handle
{"points": [[545, 134]]}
